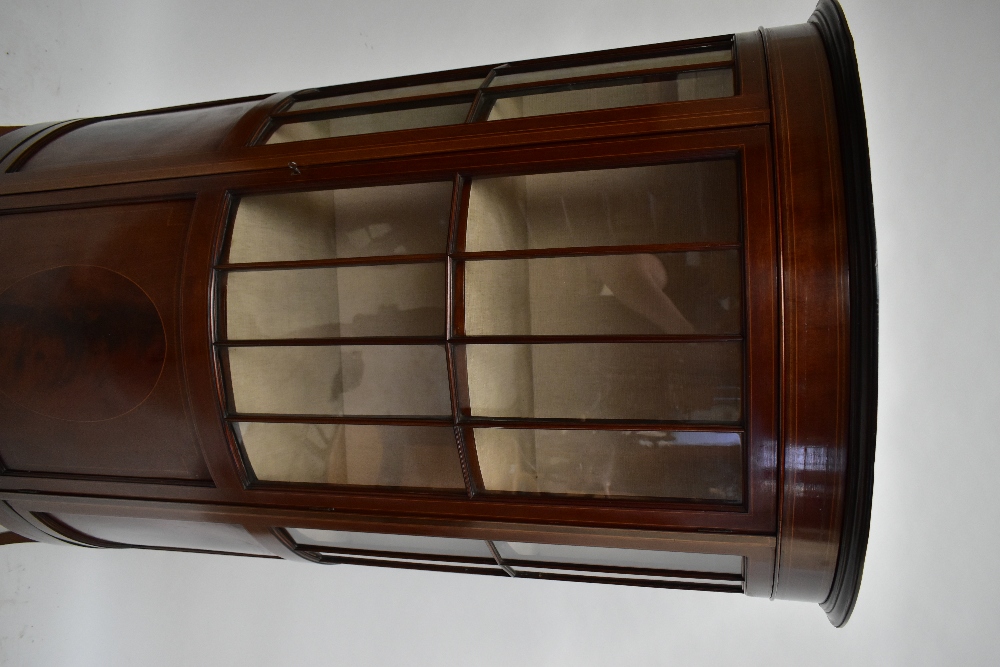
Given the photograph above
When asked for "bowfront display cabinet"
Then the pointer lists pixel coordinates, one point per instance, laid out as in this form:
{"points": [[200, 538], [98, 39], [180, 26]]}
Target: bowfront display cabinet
{"points": [[599, 318]]}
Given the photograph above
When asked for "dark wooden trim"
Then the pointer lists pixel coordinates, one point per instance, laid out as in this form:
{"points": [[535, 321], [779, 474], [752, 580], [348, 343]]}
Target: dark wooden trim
{"points": [[718, 113], [483, 340], [376, 562], [316, 514], [13, 521], [598, 425], [250, 127], [499, 559], [832, 25], [581, 251], [71, 533], [400, 555], [347, 340], [10, 537], [713, 43], [83, 539], [272, 541], [602, 338], [286, 542], [9, 141], [333, 261], [197, 304], [613, 569], [815, 313], [124, 479], [19, 154], [272, 174], [350, 419], [646, 583]]}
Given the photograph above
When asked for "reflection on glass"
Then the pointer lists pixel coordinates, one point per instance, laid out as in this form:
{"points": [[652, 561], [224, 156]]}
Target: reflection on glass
{"points": [[671, 203], [387, 94], [385, 300], [407, 219], [413, 544], [669, 293], [371, 455], [654, 381], [166, 533], [658, 560], [371, 122], [657, 62], [340, 380], [654, 464], [593, 95]]}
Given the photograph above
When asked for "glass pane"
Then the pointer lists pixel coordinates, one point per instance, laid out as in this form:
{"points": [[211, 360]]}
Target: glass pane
{"points": [[657, 62], [656, 464], [671, 203], [413, 544], [372, 122], [340, 380], [385, 300], [669, 293], [407, 219], [411, 456], [654, 381], [697, 85], [389, 94], [166, 533], [659, 560], [616, 578]]}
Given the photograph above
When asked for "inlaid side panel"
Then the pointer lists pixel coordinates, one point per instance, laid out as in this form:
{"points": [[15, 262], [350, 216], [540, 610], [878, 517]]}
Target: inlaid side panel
{"points": [[90, 374]]}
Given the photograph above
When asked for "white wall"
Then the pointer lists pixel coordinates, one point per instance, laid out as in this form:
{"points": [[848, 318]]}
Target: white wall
{"points": [[930, 595]]}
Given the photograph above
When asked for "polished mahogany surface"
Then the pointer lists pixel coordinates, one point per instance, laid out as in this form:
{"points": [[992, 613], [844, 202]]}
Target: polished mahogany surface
{"points": [[125, 306], [92, 380], [79, 343]]}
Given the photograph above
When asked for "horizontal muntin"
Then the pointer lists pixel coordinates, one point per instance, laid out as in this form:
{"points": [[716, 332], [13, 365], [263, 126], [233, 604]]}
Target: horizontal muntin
{"points": [[395, 555], [475, 340], [489, 422], [578, 67], [332, 262], [616, 577], [622, 570], [495, 569]]}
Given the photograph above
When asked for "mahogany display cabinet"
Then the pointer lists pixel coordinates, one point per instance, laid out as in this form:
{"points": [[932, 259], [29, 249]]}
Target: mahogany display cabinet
{"points": [[608, 317]]}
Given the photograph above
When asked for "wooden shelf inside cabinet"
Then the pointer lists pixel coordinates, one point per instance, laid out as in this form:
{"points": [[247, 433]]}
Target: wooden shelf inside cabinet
{"points": [[606, 317]]}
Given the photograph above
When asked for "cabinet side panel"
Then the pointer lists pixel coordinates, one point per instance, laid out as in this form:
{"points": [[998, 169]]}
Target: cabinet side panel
{"points": [[90, 370]]}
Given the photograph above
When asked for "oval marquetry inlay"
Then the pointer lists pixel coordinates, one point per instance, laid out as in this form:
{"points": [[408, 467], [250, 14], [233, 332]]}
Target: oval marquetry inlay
{"points": [[80, 343]]}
